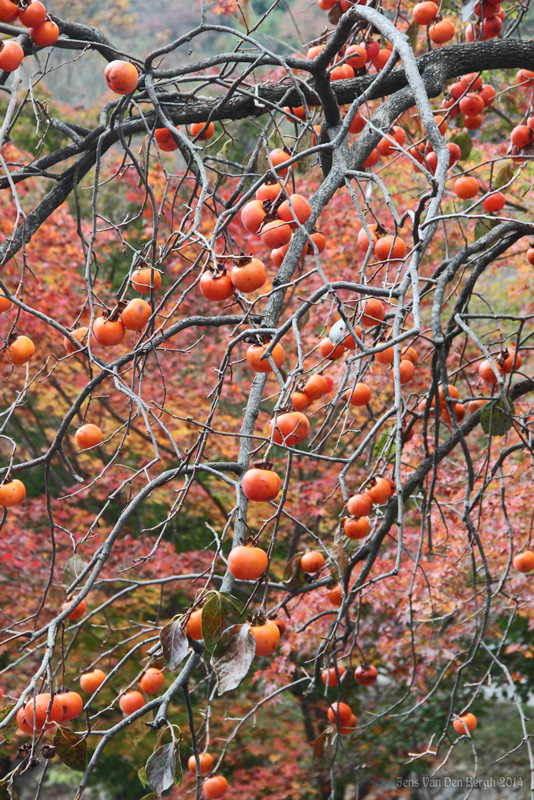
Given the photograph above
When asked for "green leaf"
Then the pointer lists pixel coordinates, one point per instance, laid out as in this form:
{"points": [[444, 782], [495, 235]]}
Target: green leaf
{"points": [[151, 796], [161, 768], [495, 419], [465, 143], [504, 176], [385, 445], [412, 33], [137, 731], [11, 728], [219, 612], [233, 656], [71, 748], [174, 644], [141, 774], [484, 226]]}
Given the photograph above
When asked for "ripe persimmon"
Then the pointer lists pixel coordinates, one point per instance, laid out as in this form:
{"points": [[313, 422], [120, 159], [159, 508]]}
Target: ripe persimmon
{"points": [[380, 491], [11, 55], [247, 563], [465, 723], [494, 202], [471, 104], [275, 234], [314, 51], [5, 304], [261, 485], [88, 436], [385, 147], [425, 13], [202, 130], [361, 395], [131, 702], [278, 254], [312, 561], [335, 595], [19, 351], [372, 159], [329, 383], [42, 709], [525, 77], [12, 493], [512, 361], [350, 727], [442, 31], [410, 354], [339, 713], [296, 209], [252, 215], [475, 405], [216, 287], [356, 528], [385, 356], [329, 350], [78, 611], [522, 136], [277, 157], [382, 58], [524, 562], [80, 334], [215, 787], [47, 34], [165, 140], [121, 77], [33, 15], [406, 371], [152, 681], [315, 387], [290, 429], [267, 637], [363, 240], [366, 675], [360, 505], [91, 681], [487, 93], [466, 187], [193, 627], [458, 411], [356, 56], [256, 351], [108, 332], [268, 191], [136, 314], [249, 276], [23, 723], [145, 279], [329, 676], [8, 11], [205, 763], [487, 373], [72, 705], [300, 401], [373, 312]]}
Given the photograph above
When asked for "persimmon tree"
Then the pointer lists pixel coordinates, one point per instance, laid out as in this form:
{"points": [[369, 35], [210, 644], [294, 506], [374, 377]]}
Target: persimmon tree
{"points": [[266, 420]]}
